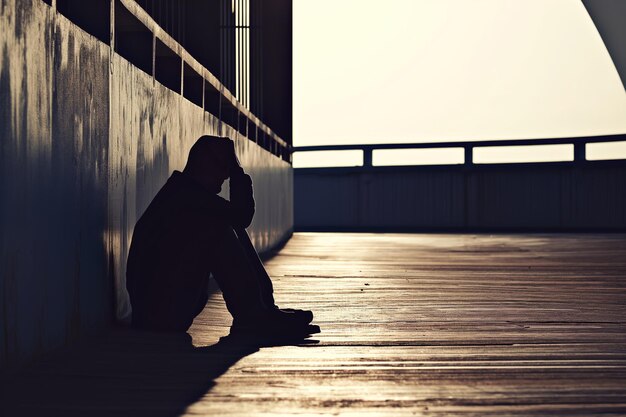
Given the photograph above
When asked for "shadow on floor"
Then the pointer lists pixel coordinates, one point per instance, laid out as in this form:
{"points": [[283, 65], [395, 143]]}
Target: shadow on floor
{"points": [[127, 373]]}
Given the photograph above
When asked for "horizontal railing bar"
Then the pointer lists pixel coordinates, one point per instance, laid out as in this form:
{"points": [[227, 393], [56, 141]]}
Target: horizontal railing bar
{"points": [[466, 144]]}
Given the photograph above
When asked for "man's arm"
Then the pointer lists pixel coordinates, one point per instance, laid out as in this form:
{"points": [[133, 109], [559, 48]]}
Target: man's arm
{"points": [[241, 196]]}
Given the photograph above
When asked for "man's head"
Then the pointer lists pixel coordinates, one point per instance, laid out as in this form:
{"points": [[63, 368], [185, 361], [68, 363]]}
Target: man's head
{"points": [[209, 162]]}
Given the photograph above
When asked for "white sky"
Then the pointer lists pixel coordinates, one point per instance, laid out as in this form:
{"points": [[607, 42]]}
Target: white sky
{"points": [[376, 71]]}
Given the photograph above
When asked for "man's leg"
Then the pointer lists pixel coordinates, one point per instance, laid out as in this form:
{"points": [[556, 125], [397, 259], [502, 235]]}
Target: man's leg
{"points": [[171, 309], [244, 291], [178, 306], [264, 281], [202, 300], [236, 276]]}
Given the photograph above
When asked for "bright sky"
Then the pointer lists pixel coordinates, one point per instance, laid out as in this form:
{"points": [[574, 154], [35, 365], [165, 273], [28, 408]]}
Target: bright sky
{"points": [[371, 71]]}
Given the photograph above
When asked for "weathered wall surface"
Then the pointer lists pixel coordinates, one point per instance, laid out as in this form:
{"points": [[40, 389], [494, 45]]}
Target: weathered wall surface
{"points": [[53, 192], [478, 198], [86, 140]]}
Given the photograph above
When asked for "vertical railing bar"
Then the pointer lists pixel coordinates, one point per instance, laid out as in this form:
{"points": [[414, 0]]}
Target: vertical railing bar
{"points": [[367, 156], [468, 155], [580, 151]]}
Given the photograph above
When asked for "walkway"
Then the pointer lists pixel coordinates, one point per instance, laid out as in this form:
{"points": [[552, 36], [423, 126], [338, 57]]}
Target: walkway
{"points": [[431, 325]]}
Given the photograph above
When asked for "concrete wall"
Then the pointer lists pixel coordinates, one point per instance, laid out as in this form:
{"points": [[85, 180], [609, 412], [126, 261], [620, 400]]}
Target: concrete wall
{"points": [[86, 140], [540, 197]]}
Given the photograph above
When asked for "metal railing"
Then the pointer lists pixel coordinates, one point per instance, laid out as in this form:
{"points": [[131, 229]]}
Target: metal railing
{"points": [[211, 95], [469, 194], [579, 144], [244, 121]]}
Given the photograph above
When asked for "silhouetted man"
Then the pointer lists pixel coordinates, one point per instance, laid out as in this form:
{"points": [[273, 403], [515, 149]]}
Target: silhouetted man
{"points": [[189, 232]]}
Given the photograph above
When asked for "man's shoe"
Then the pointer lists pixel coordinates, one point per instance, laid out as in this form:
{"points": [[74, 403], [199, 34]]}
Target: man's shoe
{"points": [[305, 315], [275, 321]]}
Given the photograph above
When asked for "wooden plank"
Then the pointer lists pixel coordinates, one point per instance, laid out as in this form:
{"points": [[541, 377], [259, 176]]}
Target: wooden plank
{"points": [[472, 325]]}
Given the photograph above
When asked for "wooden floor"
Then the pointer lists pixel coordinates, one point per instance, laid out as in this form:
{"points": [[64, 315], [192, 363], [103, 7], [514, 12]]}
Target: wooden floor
{"points": [[432, 325]]}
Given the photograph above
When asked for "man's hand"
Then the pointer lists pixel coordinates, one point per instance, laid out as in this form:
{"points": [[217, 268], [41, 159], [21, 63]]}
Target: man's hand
{"points": [[241, 195], [235, 165]]}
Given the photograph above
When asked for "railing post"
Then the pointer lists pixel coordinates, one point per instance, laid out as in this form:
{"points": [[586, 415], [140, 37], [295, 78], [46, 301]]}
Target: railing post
{"points": [[367, 156], [469, 155], [580, 152]]}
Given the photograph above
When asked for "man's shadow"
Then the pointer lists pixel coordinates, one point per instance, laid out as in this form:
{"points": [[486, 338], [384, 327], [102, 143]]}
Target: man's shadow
{"points": [[128, 373]]}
